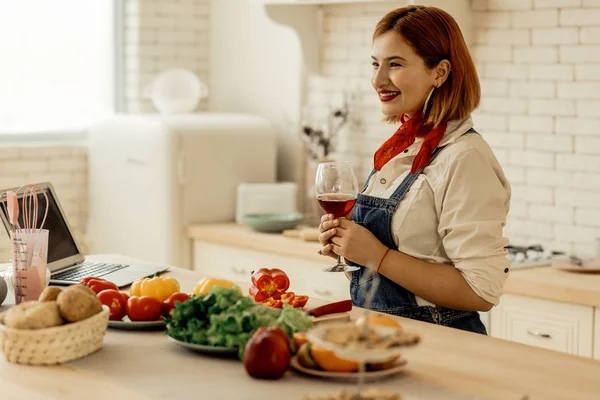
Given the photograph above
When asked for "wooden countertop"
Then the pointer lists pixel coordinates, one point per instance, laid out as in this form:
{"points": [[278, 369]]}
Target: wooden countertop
{"points": [[541, 282], [449, 364], [555, 284], [244, 237]]}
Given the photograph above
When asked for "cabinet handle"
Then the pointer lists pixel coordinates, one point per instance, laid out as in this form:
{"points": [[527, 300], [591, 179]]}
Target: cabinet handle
{"points": [[238, 270], [539, 334], [323, 292]]}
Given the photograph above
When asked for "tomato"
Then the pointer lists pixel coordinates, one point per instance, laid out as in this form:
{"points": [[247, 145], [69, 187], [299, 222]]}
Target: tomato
{"points": [[98, 284], [171, 301], [125, 297], [114, 300], [143, 308]]}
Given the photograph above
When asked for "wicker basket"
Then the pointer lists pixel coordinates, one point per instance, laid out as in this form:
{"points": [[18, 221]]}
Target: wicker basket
{"points": [[54, 345]]}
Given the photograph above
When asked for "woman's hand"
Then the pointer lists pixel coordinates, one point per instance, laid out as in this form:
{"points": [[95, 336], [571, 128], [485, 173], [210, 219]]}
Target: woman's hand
{"points": [[350, 240], [327, 229]]}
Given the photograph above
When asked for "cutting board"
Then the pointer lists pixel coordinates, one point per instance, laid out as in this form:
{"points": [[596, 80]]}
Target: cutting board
{"points": [[338, 317], [307, 234], [587, 266]]}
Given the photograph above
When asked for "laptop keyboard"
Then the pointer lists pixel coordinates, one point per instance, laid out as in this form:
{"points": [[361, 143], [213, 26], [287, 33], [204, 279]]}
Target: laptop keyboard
{"points": [[88, 268]]}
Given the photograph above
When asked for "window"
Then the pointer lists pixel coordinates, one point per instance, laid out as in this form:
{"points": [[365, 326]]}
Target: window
{"points": [[56, 64]]}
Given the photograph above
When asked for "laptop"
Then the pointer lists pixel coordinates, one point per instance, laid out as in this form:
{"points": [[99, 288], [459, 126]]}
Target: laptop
{"points": [[65, 260]]}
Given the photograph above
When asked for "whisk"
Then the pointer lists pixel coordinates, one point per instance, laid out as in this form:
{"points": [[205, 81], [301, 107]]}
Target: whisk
{"points": [[29, 207], [23, 251]]}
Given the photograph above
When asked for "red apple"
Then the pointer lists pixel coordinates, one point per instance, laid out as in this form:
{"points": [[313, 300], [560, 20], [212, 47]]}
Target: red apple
{"points": [[267, 354]]}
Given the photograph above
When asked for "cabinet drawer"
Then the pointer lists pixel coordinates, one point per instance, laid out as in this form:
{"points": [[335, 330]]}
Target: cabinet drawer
{"points": [[237, 264], [547, 324]]}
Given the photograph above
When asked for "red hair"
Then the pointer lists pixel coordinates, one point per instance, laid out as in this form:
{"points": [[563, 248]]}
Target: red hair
{"points": [[435, 36]]}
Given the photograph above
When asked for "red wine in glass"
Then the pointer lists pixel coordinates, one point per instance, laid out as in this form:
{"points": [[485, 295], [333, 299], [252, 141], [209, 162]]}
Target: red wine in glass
{"points": [[337, 204], [336, 190]]}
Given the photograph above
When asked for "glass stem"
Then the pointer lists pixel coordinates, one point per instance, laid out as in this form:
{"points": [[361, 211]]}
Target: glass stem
{"points": [[361, 380]]}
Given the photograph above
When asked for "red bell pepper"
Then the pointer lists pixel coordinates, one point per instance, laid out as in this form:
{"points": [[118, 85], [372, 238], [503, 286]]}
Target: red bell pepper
{"points": [[269, 283], [299, 301], [98, 284], [271, 302], [288, 297], [293, 300]]}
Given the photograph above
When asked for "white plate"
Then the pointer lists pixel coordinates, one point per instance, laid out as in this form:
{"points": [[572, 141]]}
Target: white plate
{"points": [[206, 349], [317, 336], [349, 376], [128, 324]]}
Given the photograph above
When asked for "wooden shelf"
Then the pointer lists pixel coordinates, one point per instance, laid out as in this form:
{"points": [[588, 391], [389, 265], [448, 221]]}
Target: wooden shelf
{"points": [[306, 17], [322, 2]]}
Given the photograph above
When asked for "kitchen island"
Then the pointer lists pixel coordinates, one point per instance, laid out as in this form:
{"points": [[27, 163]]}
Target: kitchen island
{"points": [[448, 364]]}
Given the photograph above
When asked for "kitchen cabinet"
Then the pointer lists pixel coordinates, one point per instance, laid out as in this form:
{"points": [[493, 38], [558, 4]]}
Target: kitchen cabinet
{"points": [[235, 263], [541, 307], [548, 324], [597, 335]]}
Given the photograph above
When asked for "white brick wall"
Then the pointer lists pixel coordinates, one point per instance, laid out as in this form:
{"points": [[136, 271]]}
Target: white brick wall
{"points": [[539, 65], [64, 166], [159, 35]]}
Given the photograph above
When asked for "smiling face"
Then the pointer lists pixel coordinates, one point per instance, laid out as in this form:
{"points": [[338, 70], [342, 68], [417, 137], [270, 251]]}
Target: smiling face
{"points": [[400, 76]]}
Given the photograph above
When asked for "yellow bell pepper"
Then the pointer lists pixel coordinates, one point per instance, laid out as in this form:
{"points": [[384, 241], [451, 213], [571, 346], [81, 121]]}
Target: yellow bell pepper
{"points": [[205, 284], [159, 287]]}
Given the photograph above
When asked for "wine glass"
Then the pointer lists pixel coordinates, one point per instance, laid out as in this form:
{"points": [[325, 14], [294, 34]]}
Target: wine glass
{"points": [[336, 188]]}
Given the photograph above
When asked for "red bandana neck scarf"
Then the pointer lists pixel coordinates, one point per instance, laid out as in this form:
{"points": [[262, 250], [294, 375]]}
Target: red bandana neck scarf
{"points": [[405, 136]]}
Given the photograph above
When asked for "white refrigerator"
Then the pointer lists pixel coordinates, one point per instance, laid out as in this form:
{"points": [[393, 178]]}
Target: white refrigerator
{"points": [[152, 176]]}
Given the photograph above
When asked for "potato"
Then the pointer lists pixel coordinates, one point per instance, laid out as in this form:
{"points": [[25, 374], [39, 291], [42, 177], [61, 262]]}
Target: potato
{"points": [[83, 287], [77, 303], [33, 315], [49, 294]]}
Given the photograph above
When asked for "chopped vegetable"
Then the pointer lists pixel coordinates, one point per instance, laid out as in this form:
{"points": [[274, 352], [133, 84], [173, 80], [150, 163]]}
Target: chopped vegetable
{"points": [[224, 317], [271, 302], [267, 283]]}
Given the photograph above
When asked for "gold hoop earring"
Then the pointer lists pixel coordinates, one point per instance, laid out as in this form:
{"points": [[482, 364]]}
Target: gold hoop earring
{"points": [[427, 100]]}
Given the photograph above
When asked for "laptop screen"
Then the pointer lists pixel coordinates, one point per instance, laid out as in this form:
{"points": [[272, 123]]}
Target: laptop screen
{"points": [[60, 242]]}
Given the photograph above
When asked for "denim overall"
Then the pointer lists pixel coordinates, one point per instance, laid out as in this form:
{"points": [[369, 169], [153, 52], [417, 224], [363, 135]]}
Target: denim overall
{"points": [[376, 214]]}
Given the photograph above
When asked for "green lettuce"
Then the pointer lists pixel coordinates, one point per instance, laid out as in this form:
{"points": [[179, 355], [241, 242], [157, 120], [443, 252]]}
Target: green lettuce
{"points": [[224, 317]]}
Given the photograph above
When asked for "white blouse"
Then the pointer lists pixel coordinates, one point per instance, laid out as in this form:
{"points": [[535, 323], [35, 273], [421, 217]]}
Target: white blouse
{"points": [[455, 211]]}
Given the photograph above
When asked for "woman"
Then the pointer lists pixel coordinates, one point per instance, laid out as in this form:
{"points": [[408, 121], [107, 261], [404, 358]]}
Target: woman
{"points": [[430, 218]]}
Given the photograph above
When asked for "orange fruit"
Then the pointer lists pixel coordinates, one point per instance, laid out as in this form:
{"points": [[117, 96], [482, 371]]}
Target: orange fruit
{"points": [[328, 361], [381, 320], [299, 339]]}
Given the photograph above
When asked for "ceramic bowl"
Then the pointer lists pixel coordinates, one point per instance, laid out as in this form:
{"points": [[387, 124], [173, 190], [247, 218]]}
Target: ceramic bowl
{"points": [[272, 223]]}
